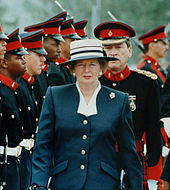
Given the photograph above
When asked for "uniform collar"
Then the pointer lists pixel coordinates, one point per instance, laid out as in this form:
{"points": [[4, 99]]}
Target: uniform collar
{"points": [[8, 82], [45, 67], [28, 78], [151, 60], [118, 76], [61, 60]]}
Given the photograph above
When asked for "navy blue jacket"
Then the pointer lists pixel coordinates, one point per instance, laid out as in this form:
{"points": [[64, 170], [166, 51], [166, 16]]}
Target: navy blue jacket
{"points": [[63, 134]]}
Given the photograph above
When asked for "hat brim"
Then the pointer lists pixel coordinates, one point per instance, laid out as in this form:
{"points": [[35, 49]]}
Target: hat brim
{"points": [[21, 51], [89, 57], [40, 51], [113, 41], [57, 37], [165, 40], [3, 36], [73, 36]]}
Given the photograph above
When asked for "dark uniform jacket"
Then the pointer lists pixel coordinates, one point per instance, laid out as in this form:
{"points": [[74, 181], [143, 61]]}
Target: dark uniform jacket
{"points": [[63, 134], [11, 117], [144, 101], [153, 66], [29, 105], [165, 97]]}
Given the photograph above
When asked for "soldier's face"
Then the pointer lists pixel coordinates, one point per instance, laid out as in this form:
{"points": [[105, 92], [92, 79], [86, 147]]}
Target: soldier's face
{"points": [[122, 53], [53, 49], [65, 46], [34, 62], [15, 65], [160, 49], [2, 48]]}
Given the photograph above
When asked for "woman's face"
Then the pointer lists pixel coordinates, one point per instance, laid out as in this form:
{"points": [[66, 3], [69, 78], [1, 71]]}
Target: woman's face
{"points": [[87, 71]]}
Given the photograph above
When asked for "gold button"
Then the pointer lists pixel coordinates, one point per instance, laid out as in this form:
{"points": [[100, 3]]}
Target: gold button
{"points": [[85, 122], [84, 137], [83, 152], [29, 108], [114, 84], [82, 167]]}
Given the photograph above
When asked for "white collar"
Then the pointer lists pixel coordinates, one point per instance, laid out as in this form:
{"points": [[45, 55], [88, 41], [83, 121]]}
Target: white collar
{"points": [[90, 108]]}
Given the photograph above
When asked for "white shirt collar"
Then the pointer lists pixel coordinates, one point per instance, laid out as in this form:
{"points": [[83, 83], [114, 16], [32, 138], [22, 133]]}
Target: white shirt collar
{"points": [[90, 108]]}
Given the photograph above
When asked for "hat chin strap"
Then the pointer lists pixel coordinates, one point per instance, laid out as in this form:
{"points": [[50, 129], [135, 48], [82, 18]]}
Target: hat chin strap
{"points": [[113, 41]]}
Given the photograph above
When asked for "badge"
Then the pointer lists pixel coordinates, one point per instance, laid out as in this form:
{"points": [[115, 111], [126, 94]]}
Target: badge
{"points": [[110, 33], [112, 95], [132, 99]]}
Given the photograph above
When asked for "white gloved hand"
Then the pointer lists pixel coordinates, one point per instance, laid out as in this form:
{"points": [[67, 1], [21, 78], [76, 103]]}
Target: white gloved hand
{"points": [[152, 184], [166, 122], [165, 151]]}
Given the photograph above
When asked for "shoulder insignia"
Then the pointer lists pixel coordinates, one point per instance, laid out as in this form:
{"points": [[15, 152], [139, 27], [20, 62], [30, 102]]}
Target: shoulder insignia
{"points": [[146, 73]]}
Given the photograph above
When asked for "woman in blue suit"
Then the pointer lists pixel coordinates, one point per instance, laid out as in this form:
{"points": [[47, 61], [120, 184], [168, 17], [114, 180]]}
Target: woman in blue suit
{"points": [[79, 126]]}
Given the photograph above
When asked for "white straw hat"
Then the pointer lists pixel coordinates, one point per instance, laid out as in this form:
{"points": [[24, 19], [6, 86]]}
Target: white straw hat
{"points": [[87, 49]]}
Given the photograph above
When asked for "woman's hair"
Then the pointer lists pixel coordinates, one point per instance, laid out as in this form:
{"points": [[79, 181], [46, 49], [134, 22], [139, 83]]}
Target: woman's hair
{"points": [[102, 62]]}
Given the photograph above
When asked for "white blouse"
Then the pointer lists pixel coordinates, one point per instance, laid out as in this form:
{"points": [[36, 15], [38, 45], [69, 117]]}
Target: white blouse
{"points": [[90, 108]]}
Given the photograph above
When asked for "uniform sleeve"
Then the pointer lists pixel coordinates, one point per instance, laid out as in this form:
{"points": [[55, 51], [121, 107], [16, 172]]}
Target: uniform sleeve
{"points": [[127, 149], [43, 150], [152, 125]]}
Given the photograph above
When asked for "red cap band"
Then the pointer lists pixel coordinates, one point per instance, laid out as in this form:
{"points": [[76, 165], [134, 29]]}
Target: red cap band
{"points": [[114, 33], [36, 44], [158, 36], [81, 32], [13, 45], [67, 31]]}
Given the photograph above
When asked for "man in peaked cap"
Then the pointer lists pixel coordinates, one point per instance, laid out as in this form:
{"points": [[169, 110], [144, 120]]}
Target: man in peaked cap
{"points": [[155, 43], [52, 40], [69, 34], [140, 85], [11, 134], [32, 42], [3, 37], [80, 28]]}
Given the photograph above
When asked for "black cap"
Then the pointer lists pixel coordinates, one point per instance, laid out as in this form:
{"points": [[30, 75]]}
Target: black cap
{"points": [[154, 35], [80, 28], [113, 32], [51, 28], [14, 45], [68, 31], [33, 41]]}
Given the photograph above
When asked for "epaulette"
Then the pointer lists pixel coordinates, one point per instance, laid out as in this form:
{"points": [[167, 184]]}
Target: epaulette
{"points": [[146, 73]]}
